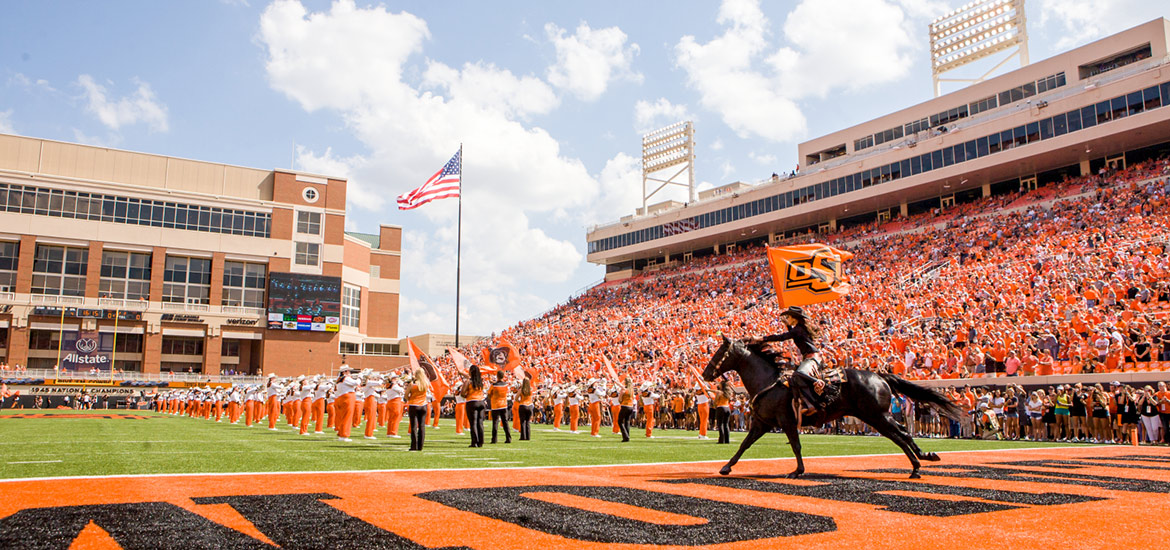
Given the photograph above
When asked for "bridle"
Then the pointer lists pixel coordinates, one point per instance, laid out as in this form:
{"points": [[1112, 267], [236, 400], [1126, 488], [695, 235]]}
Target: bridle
{"points": [[723, 358]]}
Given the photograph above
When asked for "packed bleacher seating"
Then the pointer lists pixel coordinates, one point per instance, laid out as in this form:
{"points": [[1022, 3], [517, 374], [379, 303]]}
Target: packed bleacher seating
{"points": [[1069, 278]]}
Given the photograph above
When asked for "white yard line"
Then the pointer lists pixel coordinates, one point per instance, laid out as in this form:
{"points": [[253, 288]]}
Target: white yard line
{"points": [[641, 464], [36, 462]]}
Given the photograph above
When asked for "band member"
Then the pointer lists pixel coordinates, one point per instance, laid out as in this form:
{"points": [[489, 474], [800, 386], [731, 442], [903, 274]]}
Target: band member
{"points": [[559, 397], [596, 393], [305, 403], [416, 400], [574, 409], [273, 392], [473, 392], [394, 406], [344, 400], [498, 399], [460, 408], [370, 403], [626, 412], [704, 409], [615, 406], [319, 394], [649, 400]]}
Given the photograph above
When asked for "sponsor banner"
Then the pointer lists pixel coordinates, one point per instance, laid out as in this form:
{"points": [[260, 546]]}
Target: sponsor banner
{"points": [[76, 389], [198, 384], [1093, 497], [86, 350], [84, 313]]}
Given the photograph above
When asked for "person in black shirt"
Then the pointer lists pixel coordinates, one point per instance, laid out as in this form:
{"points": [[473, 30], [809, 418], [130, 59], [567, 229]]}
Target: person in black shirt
{"points": [[806, 380]]}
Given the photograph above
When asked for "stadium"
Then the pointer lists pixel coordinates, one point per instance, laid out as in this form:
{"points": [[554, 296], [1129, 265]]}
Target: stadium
{"points": [[977, 289]]}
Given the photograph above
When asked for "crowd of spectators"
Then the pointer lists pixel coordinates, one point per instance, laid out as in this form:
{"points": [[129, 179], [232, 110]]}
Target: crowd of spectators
{"points": [[1068, 278]]}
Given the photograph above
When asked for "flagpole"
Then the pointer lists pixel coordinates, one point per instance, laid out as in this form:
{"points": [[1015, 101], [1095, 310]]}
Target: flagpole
{"points": [[459, 246]]}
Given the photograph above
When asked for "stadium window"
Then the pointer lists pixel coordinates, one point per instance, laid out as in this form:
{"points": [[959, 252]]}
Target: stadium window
{"points": [[959, 153], [125, 275], [349, 348], [243, 284], [1019, 136], [1104, 112], [993, 144], [1164, 91], [981, 147], [936, 159], [1032, 132], [9, 262], [1046, 129], [1005, 140], [1059, 126], [972, 151], [1119, 107], [351, 305], [60, 270], [948, 156], [1151, 99], [308, 254], [1134, 103], [309, 223], [915, 165], [1073, 120]]}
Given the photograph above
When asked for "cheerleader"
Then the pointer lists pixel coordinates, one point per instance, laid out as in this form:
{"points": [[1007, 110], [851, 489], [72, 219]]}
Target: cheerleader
{"points": [[626, 409], [723, 411], [473, 393], [524, 405], [498, 399], [416, 400]]}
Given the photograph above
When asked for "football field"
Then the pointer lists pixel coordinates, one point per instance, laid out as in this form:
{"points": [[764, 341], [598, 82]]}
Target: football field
{"points": [[141, 480], [89, 443]]}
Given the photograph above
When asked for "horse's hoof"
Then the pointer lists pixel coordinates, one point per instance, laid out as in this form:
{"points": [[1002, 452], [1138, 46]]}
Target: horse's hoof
{"points": [[725, 471], [914, 475], [932, 457], [795, 474]]}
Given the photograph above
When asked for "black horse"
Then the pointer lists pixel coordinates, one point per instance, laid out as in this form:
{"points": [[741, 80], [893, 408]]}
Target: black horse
{"points": [[864, 395]]}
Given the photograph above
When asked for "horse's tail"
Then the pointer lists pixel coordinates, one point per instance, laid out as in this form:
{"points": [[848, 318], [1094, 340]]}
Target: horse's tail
{"points": [[922, 394]]}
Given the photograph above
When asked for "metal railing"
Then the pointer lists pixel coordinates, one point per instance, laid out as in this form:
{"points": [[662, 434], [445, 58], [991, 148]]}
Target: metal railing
{"points": [[126, 305]]}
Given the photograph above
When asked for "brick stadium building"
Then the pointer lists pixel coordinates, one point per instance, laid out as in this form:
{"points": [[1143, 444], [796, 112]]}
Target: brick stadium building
{"points": [[161, 264], [1102, 105]]}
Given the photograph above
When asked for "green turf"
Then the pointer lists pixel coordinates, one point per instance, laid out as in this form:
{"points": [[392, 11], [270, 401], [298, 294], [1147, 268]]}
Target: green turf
{"points": [[60, 446]]}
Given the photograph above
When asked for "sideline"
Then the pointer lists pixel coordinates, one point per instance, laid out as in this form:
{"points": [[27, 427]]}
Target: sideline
{"points": [[642, 464]]}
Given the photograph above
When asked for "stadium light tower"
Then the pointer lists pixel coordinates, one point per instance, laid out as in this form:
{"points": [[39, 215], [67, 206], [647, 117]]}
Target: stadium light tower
{"points": [[974, 31], [665, 149]]}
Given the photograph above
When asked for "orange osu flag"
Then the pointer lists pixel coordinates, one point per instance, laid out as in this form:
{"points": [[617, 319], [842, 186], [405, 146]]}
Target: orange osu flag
{"points": [[808, 273], [419, 359], [503, 357]]}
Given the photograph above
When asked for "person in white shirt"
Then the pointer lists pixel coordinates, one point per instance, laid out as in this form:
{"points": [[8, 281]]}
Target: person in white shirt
{"points": [[596, 395], [320, 391], [649, 400], [273, 391], [305, 402], [369, 398], [344, 402], [395, 406]]}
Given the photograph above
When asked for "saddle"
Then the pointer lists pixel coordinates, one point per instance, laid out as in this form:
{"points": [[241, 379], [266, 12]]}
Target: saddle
{"points": [[833, 378]]}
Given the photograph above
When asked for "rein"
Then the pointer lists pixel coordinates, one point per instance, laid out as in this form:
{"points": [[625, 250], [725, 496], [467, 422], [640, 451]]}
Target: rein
{"points": [[718, 369]]}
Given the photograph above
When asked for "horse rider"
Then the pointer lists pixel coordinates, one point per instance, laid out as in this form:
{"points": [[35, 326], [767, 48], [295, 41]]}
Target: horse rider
{"points": [[805, 381]]}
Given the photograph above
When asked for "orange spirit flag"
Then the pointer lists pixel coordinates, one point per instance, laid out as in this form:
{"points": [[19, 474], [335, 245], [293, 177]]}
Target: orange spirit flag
{"points": [[808, 274], [503, 357], [420, 359], [462, 364]]}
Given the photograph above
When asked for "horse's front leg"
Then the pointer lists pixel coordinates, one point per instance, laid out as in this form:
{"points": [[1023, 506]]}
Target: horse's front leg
{"points": [[757, 430], [794, 442]]}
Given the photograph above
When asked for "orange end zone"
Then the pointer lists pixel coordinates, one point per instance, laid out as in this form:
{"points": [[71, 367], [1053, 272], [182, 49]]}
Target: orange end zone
{"points": [[1093, 497]]}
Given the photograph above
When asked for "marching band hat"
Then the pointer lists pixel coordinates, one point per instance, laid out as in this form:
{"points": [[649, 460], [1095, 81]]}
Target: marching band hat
{"points": [[272, 375], [345, 368]]}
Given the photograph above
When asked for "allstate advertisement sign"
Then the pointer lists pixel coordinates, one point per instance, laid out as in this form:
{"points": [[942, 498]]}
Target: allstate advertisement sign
{"points": [[85, 350]]}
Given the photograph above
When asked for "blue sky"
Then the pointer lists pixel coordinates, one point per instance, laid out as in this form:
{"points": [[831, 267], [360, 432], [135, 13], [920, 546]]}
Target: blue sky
{"points": [[549, 100]]}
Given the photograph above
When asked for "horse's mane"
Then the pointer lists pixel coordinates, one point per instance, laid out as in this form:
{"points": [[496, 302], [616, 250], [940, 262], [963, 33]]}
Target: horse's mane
{"points": [[769, 355]]}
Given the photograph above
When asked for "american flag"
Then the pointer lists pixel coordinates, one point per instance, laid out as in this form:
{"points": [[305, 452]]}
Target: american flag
{"points": [[680, 226], [444, 184]]}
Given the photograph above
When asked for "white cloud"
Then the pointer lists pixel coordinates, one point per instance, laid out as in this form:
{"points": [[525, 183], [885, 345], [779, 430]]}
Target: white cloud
{"points": [[621, 190], [1081, 21], [141, 106], [490, 88], [651, 116], [590, 59], [762, 158], [359, 195], [353, 61], [831, 44], [6, 126]]}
